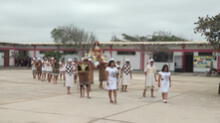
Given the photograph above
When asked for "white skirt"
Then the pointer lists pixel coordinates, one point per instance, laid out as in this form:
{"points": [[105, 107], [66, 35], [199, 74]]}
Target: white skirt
{"points": [[126, 79], [150, 80], [69, 78], [112, 85], [164, 86]]}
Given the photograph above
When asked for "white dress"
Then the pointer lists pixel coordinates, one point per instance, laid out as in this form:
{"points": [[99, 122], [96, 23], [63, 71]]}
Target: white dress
{"points": [[112, 78], [150, 77], [126, 75], [164, 82], [62, 67], [44, 67]]}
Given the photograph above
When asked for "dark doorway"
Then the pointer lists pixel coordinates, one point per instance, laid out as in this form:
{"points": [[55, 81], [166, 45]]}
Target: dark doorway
{"points": [[6, 58], [22, 59], [188, 62]]}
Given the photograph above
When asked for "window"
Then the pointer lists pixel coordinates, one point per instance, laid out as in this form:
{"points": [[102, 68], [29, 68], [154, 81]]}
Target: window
{"points": [[205, 54], [43, 52], [163, 57], [69, 52], [126, 53]]}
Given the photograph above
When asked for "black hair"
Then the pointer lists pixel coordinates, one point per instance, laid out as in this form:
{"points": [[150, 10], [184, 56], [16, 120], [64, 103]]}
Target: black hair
{"points": [[110, 62], [165, 66]]}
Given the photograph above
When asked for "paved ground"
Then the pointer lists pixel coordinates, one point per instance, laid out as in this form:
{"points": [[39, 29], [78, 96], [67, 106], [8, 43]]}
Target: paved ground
{"points": [[193, 99]]}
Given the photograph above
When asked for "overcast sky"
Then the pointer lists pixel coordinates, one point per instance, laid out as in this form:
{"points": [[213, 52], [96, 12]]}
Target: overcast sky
{"points": [[33, 20]]}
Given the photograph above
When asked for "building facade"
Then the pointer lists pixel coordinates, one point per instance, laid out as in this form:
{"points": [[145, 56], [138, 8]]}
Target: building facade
{"points": [[190, 56]]}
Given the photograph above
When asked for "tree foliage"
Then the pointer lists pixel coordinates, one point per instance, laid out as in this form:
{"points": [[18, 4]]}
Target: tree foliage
{"points": [[56, 55], [71, 34], [210, 28], [157, 36]]}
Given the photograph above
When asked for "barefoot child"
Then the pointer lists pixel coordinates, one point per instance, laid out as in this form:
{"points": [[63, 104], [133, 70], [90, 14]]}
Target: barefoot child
{"points": [[112, 76], [69, 77], [164, 82], [126, 72]]}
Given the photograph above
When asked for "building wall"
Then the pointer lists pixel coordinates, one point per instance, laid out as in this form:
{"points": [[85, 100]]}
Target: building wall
{"points": [[11, 58], [138, 61], [134, 59], [1, 59]]}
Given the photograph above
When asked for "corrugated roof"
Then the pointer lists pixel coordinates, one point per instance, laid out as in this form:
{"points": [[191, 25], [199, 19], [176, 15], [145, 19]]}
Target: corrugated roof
{"points": [[110, 43]]}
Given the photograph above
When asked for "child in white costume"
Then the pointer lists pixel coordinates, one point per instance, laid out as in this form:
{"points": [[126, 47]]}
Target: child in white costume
{"points": [[164, 82], [112, 79], [69, 76], [126, 72], [150, 78]]}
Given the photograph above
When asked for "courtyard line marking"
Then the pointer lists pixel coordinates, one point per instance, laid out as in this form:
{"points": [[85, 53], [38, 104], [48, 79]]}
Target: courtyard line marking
{"points": [[137, 107], [131, 109], [39, 112], [32, 99], [121, 121]]}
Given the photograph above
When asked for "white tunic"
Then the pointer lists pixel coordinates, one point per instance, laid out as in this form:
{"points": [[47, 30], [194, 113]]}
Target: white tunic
{"points": [[164, 82], [69, 76], [62, 67], [126, 75], [150, 77], [112, 78]]}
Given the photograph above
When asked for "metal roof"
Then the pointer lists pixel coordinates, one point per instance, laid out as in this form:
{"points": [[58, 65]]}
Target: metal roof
{"points": [[111, 43]]}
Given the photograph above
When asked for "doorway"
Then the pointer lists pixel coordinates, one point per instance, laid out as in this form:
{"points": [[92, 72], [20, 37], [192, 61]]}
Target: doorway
{"points": [[188, 62], [6, 58]]}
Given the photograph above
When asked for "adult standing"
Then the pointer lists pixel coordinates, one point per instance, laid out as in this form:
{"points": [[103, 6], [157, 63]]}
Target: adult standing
{"points": [[164, 82], [112, 74], [126, 72], [69, 76], [150, 78]]}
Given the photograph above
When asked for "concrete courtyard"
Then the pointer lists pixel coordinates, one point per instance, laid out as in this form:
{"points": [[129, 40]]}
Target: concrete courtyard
{"points": [[192, 99]]}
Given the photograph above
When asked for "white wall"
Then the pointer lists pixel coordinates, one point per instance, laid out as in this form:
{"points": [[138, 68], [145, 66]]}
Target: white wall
{"points": [[1, 59], [66, 57], [159, 65], [134, 59], [11, 58]]}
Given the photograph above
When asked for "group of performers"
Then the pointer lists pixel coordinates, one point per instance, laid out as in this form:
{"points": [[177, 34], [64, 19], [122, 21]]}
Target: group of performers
{"points": [[111, 71]]}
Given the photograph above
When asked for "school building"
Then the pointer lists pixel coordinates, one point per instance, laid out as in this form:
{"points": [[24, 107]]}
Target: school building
{"points": [[187, 56]]}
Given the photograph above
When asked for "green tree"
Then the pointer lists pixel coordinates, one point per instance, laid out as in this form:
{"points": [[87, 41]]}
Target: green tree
{"points": [[165, 36], [71, 34], [56, 55], [156, 36], [210, 28], [73, 37]]}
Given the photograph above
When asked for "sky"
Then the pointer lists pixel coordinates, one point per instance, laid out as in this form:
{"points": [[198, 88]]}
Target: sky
{"points": [[33, 20]]}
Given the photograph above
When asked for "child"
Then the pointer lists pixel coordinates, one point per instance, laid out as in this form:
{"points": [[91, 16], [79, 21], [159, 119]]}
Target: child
{"points": [[164, 82], [112, 76], [69, 77], [150, 75], [83, 72], [126, 73]]}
